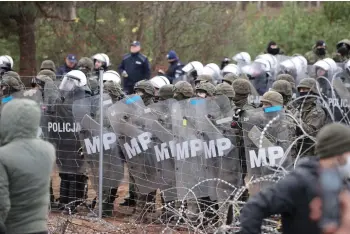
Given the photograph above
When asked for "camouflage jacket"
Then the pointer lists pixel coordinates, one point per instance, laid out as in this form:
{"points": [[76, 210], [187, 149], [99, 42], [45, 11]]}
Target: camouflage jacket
{"points": [[312, 57]]}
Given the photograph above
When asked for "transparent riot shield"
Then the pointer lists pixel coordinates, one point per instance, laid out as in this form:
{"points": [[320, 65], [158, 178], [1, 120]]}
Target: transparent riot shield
{"points": [[296, 66], [62, 129], [189, 154], [213, 124], [257, 76], [338, 98], [86, 112], [159, 124], [267, 140], [127, 118]]}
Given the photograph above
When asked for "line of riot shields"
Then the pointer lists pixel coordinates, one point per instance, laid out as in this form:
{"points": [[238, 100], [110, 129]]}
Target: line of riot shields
{"points": [[187, 149]]}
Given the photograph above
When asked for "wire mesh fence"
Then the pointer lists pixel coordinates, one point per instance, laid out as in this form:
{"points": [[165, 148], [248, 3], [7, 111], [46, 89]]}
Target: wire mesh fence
{"points": [[168, 167]]}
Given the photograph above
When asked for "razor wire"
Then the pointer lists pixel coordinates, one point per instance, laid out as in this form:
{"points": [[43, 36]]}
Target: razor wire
{"points": [[150, 218]]}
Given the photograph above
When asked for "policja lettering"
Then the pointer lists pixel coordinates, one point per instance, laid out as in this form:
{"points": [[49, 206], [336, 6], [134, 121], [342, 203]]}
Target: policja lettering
{"points": [[63, 127]]}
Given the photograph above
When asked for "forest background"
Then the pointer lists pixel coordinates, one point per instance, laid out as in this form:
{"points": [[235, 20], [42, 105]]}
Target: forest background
{"points": [[31, 32]]}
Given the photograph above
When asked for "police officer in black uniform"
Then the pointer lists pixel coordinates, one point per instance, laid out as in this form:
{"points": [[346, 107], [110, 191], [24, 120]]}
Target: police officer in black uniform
{"points": [[134, 67], [175, 67]]}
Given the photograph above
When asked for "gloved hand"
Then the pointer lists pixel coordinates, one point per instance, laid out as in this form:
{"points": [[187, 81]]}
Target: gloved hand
{"points": [[124, 74]]}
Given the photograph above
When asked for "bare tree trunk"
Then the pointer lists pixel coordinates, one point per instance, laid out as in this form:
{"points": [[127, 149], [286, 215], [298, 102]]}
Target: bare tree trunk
{"points": [[27, 46]]}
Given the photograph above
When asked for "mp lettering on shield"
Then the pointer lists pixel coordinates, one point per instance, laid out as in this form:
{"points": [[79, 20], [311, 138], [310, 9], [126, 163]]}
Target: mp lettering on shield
{"points": [[275, 153], [94, 146], [178, 150]]}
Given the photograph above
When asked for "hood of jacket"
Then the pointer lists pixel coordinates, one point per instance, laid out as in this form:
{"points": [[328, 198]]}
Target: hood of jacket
{"points": [[311, 164], [20, 119]]}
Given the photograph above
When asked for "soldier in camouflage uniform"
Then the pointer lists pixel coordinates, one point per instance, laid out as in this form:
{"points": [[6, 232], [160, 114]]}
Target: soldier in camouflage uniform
{"points": [[311, 115], [48, 73], [343, 49], [242, 88], [145, 89], [114, 90], [86, 65], [288, 78], [166, 92], [285, 89], [10, 83], [183, 90], [48, 65], [205, 90], [317, 53], [228, 91]]}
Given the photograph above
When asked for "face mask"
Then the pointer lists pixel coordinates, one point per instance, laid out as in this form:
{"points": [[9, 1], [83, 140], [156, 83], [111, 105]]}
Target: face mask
{"points": [[303, 94], [345, 169], [343, 51], [321, 51], [273, 51]]}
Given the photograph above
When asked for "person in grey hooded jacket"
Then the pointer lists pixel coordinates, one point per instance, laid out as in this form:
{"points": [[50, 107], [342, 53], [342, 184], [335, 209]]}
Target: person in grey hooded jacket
{"points": [[26, 163]]}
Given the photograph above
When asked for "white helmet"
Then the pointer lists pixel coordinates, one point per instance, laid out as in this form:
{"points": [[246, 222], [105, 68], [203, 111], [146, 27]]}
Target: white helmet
{"points": [[328, 65], [159, 81], [242, 57], [111, 76], [231, 68], [6, 60], [73, 79], [271, 59], [212, 70], [102, 58], [193, 66]]}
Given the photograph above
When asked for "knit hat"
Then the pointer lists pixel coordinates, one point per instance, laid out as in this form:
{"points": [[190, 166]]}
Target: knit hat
{"points": [[332, 140], [172, 55]]}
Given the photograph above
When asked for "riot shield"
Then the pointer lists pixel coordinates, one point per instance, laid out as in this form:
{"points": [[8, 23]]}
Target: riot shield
{"points": [[296, 66], [159, 124], [128, 122], [62, 129], [214, 125], [86, 112], [257, 76], [198, 146], [338, 98], [267, 140]]}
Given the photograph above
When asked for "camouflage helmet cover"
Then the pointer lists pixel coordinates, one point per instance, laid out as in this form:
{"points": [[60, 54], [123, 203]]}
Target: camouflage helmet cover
{"points": [[241, 86], [283, 87], [48, 73], [230, 77], [288, 78], [207, 87], [48, 65], [225, 89], [203, 79], [273, 98], [86, 63], [14, 75], [184, 88], [146, 86], [12, 82], [166, 91], [309, 83], [113, 89]]}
